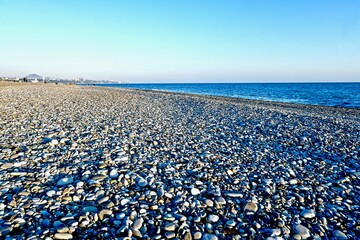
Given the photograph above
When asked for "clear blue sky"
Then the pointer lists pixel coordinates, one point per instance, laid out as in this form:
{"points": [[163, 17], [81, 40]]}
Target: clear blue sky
{"points": [[170, 40]]}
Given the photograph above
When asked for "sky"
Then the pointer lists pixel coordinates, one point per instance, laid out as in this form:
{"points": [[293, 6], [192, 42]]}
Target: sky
{"points": [[182, 40]]}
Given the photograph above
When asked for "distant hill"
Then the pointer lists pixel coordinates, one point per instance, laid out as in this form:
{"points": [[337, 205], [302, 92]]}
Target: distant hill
{"points": [[34, 76]]}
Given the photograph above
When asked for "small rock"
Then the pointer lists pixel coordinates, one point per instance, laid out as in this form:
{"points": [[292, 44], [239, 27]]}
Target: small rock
{"points": [[63, 236], [251, 206], [124, 201], [89, 209], [142, 182], [234, 194], [308, 213], [293, 181], [209, 203], [136, 233], [65, 181], [170, 227], [105, 212], [197, 235], [208, 236], [50, 193], [195, 191], [301, 230], [339, 235], [5, 230], [170, 235], [138, 223], [213, 218], [7, 165], [114, 174]]}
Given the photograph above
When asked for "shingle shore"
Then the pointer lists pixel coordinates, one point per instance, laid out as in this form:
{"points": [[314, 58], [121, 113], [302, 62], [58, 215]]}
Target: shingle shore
{"points": [[91, 162]]}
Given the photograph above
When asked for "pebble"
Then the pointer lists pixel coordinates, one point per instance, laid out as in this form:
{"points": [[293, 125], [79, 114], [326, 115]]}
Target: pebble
{"points": [[170, 235], [5, 230], [114, 174], [105, 212], [170, 227], [251, 206], [213, 218], [63, 236], [195, 191], [197, 235], [7, 166], [208, 236], [142, 182], [86, 163], [339, 235], [308, 213], [65, 181], [301, 230], [138, 223]]}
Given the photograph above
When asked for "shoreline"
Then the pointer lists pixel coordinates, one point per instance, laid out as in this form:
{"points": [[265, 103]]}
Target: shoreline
{"points": [[351, 112], [79, 162], [134, 86]]}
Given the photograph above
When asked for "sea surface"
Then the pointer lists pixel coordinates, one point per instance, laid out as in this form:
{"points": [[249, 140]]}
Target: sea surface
{"points": [[327, 94]]}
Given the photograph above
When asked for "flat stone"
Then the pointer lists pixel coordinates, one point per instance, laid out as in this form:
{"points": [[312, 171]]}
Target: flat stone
{"points": [[170, 227], [339, 235], [234, 194], [308, 213], [197, 235], [293, 181], [63, 236], [251, 206], [89, 209], [209, 203], [142, 182], [7, 165], [62, 229], [208, 236], [105, 212], [195, 191], [213, 218], [301, 230], [170, 235], [114, 174], [136, 233], [138, 223], [65, 181], [5, 230], [50, 193], [124, 201], [18, 174]]}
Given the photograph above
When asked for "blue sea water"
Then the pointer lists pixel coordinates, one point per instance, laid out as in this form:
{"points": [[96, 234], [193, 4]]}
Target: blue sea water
{"points": [[327, 94]]}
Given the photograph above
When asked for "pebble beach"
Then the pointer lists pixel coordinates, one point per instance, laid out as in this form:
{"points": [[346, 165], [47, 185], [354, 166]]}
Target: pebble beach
{"points": [[81, 162]]}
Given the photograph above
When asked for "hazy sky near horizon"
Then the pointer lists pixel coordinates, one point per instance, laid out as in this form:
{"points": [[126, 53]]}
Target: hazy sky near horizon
{"points": [[182, 40]]}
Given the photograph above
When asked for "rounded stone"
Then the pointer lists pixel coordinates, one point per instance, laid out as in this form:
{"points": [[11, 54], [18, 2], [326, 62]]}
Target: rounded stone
{"points": [[213, 218], [208, 236], [301, 230], [65, 181], [195, 191], [63, 236], [339, 235], [251, 207], [197, 235], [308, 213], [7, 165]]}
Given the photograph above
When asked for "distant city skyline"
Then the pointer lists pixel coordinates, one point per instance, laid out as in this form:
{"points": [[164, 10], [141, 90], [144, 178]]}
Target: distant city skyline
{"points": [[182, 41]]}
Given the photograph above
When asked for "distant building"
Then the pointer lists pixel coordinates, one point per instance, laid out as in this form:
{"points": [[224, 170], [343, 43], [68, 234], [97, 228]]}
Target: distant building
{"points": [[34, 78]]}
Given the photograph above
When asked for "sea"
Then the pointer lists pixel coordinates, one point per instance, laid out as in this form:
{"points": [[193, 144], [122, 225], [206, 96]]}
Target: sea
{"points": [[326, 94]]}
